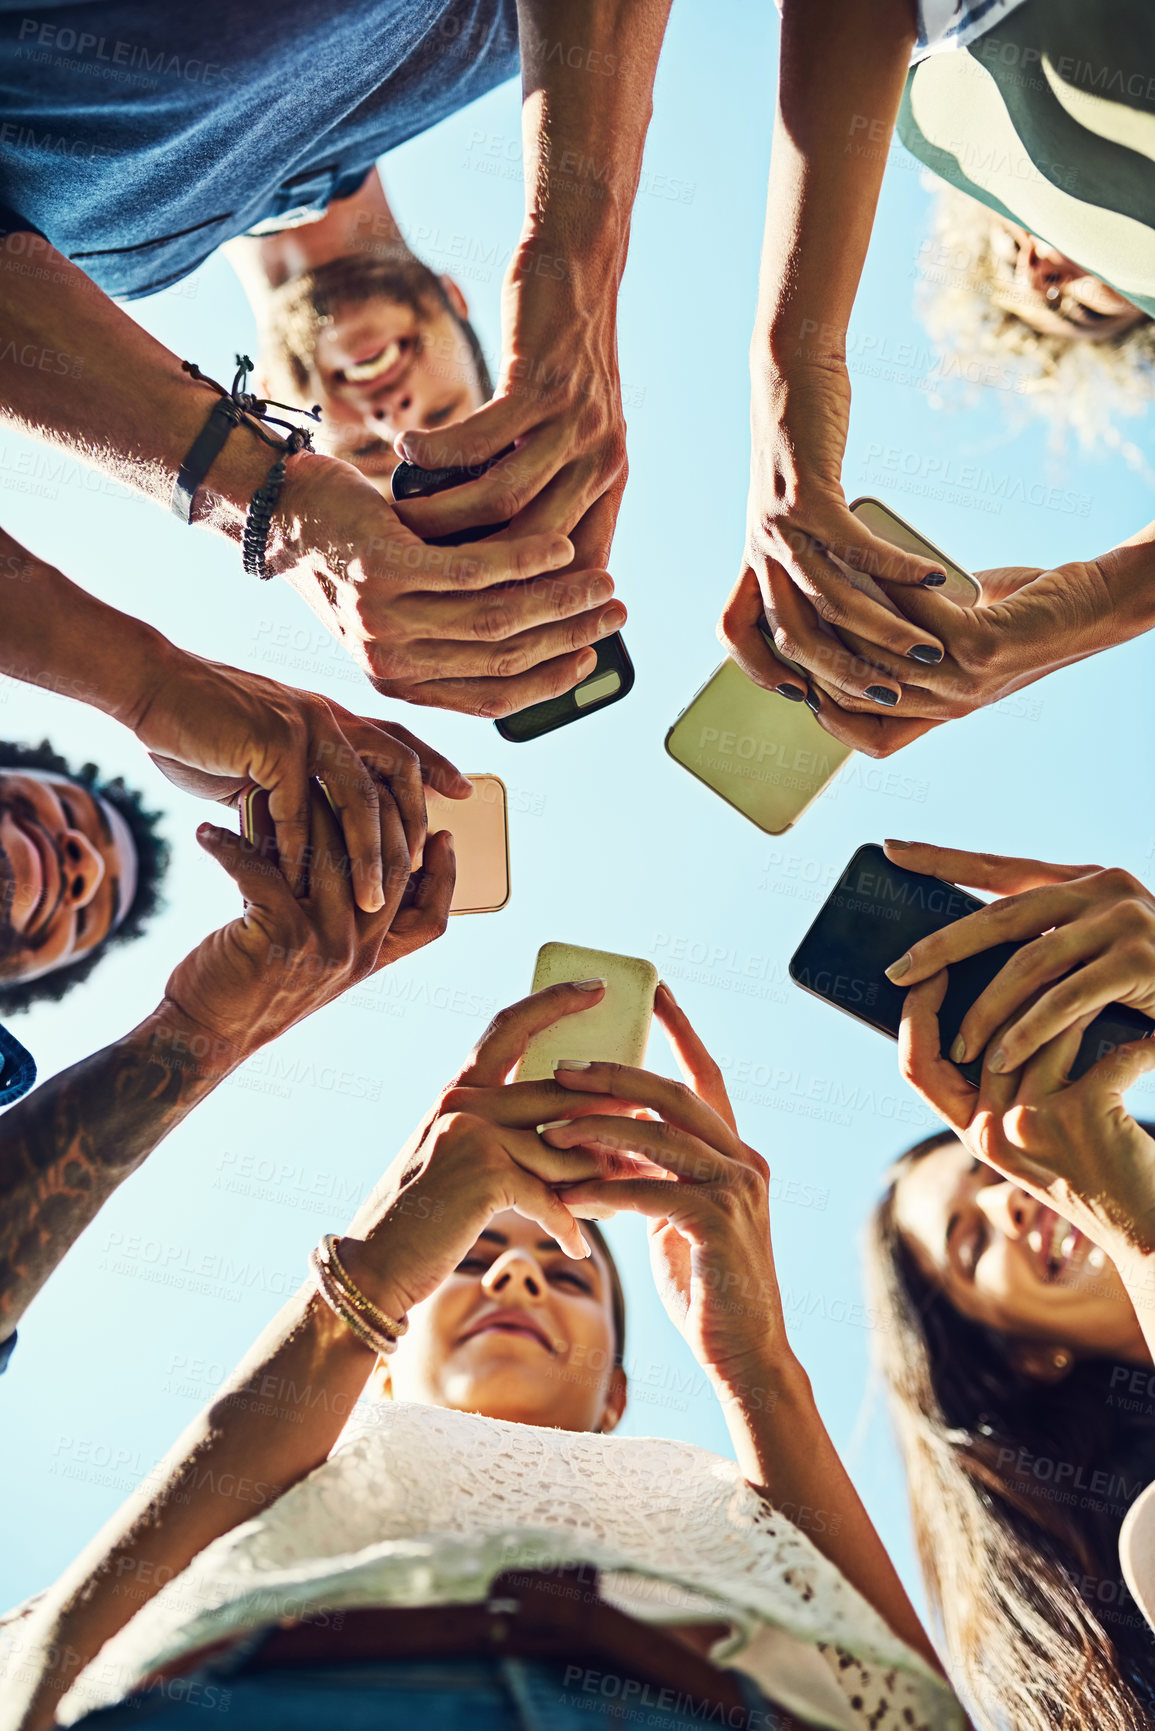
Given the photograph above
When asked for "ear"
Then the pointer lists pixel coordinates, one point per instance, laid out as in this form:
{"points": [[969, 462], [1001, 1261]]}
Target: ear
{"points": [[456, 298], [1041, 1361], [615, 1401]]}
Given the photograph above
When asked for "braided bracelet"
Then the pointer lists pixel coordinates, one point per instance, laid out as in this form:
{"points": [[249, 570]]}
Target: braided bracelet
{"points": [[235, 405], [263, 503]]}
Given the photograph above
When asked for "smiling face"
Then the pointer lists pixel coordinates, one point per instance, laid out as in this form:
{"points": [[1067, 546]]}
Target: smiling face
{"points": [[1050, 292], [67, 872], [382, 347], [1004, 1260], [518, 1331]]}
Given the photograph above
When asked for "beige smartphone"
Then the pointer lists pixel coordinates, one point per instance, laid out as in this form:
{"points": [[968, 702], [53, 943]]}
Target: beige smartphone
{"points": [[480, 828], [614, 1030], [763, 754]]}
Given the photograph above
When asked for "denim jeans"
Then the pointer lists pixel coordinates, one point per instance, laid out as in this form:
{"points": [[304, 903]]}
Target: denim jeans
{"points": [[424, 1695]]}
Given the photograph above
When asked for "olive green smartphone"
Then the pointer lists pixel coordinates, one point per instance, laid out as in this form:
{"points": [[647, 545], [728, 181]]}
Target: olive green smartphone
{"points": [[615, 1030], [480, 828], [768, 756]]}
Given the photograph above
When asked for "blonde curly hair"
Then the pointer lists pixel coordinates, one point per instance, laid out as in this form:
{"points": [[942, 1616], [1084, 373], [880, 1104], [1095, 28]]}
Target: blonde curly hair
{"points": [[1084, 388]]}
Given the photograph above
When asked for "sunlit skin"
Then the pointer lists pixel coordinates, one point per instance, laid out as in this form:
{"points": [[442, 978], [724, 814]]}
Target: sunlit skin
{"points": [[1002, 1259], [519, 1331], [1051, 293], [73, 871]]}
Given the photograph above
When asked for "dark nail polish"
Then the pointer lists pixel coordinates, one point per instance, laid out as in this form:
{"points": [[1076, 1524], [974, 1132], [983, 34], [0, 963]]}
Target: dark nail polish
{"points": [[792, 692], [926, 653], [882, 694], [812, 702], [934, 580]]}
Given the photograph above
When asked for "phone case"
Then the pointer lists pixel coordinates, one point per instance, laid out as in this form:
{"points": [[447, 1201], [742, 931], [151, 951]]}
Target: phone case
{"points": [[610, 681], [616, 1030], [257, 825], [960, 587], [768, 756], [480, 829]]}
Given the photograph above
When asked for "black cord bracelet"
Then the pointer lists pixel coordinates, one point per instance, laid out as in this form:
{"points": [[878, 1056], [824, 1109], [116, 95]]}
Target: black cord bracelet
{"points": [[263, 504], [236, 405]]}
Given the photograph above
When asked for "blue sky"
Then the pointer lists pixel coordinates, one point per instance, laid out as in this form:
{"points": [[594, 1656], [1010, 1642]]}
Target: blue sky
{"points": [[612, 844]]}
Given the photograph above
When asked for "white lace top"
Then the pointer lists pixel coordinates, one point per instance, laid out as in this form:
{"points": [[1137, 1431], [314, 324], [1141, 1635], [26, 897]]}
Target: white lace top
{"points": [[418, 1506]]}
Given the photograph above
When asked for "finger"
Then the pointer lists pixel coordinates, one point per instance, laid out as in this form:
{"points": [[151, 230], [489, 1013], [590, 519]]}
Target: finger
{"points": [[506, 657], [505, 1040], [1046, 1072], [677, 1104], [288, 790], [475, 565], [262, 884], [1005, 874], [839, 581], [530, 1105], [1088, 990], [424, 914], [501, 494], [653, 1198], [494, 699], [697, 1066], [498, 614], [929, 689], [392, 763], [1010, 920], [687, 1157], [1019, 983], [867, 731], [353, 796], [552, 1164], [920, 1058], [437, 771], [593, 534], [741, 635], [534, 1200], [803, 633], [476, 439]]}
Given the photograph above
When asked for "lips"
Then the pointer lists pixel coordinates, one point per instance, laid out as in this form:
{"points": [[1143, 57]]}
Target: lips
{"points": [[51, 868], [1060, 1250], [381, 369], [514, 1322]]}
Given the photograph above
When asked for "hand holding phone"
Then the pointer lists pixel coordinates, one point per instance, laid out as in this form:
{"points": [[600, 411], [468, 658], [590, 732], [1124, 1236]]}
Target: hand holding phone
{"points": [[612, 676], [877, 913]]}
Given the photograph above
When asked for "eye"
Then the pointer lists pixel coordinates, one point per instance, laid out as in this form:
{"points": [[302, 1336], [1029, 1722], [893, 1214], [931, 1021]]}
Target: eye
{"points": [[571, 1277], [972, 1247], [69, 814], [438, 417], [471, 1265]]}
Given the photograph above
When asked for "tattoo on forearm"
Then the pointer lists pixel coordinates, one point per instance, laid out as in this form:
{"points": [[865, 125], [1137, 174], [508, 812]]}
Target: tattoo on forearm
{"points": [[65, 1148]]}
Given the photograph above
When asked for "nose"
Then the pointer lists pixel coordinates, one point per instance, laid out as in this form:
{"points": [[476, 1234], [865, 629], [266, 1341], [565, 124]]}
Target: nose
{"points": [[516, 1274], [1007, 1207], [83, 868], [1042, 268]]}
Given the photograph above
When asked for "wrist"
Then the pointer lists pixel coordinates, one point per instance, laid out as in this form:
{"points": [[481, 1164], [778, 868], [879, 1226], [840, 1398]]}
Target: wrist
{"points": [[1129, 574], [761, 1381], [196, 1057]]}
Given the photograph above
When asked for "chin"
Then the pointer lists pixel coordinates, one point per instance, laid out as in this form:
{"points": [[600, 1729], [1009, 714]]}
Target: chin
{"points": [[507, 1392]]}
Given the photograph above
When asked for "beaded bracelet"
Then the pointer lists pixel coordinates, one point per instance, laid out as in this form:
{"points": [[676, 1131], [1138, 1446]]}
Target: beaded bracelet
{"points": [[343, 1296]]}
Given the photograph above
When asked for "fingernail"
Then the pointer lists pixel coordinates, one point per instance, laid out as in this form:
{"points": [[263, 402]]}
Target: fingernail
{"points": [[588, 1246], [926, 653], [588, 985], [890, 842], [612, 619], [792, 692], [958, 1051], [587, 661], [882, 694], [897, 969], [997, 1062], [812, 702], [571, 1064], [934, 580], [554, 1124]]}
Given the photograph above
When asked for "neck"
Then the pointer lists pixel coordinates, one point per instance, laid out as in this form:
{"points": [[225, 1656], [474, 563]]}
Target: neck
{"points": [[363, 225]]}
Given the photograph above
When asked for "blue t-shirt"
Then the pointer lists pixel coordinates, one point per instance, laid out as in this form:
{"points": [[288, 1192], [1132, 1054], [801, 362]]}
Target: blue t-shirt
{"points": [[138, 137]]}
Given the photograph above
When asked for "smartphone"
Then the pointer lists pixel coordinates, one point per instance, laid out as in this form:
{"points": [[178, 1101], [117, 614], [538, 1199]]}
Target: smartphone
{"points": [[615, 1030], [768, 756], [480, 827], [257, 825], [875, 912], [613, 673]]}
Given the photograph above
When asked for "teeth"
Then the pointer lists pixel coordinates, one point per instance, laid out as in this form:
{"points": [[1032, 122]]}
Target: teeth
{"points": [[363, 372], [1096, 1258]]}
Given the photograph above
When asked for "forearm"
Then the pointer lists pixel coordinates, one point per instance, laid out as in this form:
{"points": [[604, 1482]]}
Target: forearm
{"points": [[276, 1419], [842, 67], [588, 71], [785, 1451], [59, 636], [1129, 573], [66, 1147], [77, 371]]}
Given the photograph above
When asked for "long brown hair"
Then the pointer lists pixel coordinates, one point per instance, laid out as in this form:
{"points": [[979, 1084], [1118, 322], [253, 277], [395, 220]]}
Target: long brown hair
{"points": [[1017, 1490]]}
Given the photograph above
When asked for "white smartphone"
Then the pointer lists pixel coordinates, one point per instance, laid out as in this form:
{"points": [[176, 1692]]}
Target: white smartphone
{"points": [[480, 829], [615, 1030]]}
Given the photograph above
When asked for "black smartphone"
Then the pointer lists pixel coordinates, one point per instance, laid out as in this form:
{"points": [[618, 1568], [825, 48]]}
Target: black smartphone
{"points": [[876, 911], [613, 673]]}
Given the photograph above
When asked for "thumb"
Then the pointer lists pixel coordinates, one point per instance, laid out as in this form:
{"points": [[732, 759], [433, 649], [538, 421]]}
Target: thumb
{"points": [[260, 881]]}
